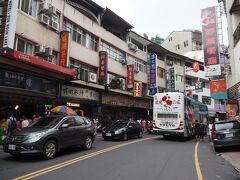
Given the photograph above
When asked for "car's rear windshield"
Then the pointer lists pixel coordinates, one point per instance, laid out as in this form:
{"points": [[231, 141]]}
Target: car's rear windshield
{"points": [[227, 125], [120, 124], [46, 122]]}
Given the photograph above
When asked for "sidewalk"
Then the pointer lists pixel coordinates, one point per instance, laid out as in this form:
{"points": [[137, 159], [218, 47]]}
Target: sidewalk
{"points": [[233, 158]]}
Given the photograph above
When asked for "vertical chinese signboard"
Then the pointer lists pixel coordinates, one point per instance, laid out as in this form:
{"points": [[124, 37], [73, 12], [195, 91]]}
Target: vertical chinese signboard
{"points": [[130, 76], [153, 74], [218, 89], [8, 19], [137, 89], [210, 40], [64, 48], [103, 65]]}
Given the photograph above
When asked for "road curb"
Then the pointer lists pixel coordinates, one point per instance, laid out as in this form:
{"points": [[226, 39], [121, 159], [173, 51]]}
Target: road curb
{"points": [[229, 158]]}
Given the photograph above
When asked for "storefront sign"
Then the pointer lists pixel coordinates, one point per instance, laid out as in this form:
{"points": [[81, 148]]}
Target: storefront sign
{"points": [[64, 48], [218, 89], [198, 87], [220, 106], [119, 100], [23, 81], [130, 76], [210, 36], [80, 93], [232, 111], [137, 89], [213, 70], [70, 104], [103, 66], [8, 19], [153, 70]]}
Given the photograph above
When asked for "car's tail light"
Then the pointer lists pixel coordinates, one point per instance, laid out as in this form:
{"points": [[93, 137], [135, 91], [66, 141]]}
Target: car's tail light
{"points": [[214, 134]]}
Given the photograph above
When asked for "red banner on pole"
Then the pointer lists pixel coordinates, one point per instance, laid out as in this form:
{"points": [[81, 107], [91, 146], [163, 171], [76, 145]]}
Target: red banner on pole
{"points": [[64, 48], [137, 89]]}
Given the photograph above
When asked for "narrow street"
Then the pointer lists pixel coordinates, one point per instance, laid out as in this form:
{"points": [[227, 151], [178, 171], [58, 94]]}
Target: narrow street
{"points": [[149, 158]]}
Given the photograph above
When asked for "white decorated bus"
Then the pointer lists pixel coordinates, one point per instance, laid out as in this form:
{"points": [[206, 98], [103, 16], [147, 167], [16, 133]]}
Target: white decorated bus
{"points": [[174, 114]]}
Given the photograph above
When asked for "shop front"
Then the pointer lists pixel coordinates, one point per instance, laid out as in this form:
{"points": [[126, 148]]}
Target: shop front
{"points": [[83, 100], [121, 107]]}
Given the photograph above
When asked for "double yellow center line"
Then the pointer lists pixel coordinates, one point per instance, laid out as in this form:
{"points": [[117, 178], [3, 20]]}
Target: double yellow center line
{"points": [[72, 161]]}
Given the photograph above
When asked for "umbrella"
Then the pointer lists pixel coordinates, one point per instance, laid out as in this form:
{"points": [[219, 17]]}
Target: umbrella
{"points": [[63, 110]]}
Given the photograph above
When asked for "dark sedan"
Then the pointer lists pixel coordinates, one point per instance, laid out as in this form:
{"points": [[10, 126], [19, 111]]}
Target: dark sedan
{"points": [[225, 133], [50, 134], [123, 130]]}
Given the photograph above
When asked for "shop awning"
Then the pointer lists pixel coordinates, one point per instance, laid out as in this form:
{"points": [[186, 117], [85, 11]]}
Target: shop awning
{"points": [[36, 62]]}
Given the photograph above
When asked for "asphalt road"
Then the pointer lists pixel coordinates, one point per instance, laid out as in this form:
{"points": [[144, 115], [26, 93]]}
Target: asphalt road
{"points": [[147, 159]]}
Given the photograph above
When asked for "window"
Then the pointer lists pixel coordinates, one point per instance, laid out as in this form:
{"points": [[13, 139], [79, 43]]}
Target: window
{"points": [[177, 46], [81, 36], [185, 43], [28, 6], [178, 62], [70, 122], [138, 64], [80, 121], [122, 80], [170, 39], [113, 53], [195, 97], [206, 100], [161, 72], [24, 46], [179, 78]]}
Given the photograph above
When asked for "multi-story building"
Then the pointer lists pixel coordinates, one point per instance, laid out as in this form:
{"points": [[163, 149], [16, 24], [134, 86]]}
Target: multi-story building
{"points": [[184, 41], [233, 75], [48, 40]]}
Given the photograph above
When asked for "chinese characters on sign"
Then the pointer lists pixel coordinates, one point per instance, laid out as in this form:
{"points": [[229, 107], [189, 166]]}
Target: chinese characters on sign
{"points": [[198, 87], [137, 89], [130, 76], [81, 93], [210, 36], [8, 18], [103, 65], [153, 70], [64, 48]]}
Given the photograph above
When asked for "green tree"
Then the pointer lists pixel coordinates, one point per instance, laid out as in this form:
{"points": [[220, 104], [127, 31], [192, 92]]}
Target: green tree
{"points": [[157, 39], [145, 35]]}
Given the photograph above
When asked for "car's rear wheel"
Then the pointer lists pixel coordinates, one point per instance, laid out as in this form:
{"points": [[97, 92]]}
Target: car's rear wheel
{"points": [[140, 135], [88, 143], [49, 149], [125, 137]]}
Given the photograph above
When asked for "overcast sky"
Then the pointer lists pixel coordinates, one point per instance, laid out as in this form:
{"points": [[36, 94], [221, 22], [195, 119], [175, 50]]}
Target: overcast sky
{"points": [[160, 16]]}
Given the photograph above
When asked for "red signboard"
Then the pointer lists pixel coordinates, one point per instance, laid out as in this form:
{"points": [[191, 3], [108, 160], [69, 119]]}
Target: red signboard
{"points": [[195, 67], [37, 62], [210, 36], [130, 76], [218, 89], [64, 48], [103, 65]]}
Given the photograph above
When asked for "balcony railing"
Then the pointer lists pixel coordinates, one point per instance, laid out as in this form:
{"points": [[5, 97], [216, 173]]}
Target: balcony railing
{"points": [[236, 35]]}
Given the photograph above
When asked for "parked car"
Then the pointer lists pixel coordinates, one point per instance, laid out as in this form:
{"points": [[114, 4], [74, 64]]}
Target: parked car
{"points": [[50, 134], [123, 130], [225, 133]]}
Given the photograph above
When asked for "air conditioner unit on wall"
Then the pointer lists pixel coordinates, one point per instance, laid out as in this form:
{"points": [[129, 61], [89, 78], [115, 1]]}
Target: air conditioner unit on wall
{"points": [[133, 47], [51, 10], [44, 19], [39, 50], [43, 7], [53, 25], [48, 51], [92, 77]]}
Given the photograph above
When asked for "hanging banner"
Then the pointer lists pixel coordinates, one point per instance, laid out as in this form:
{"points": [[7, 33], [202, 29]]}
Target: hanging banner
{"points": [[153, 70], [64, 48], [195, 67], [8, 19], [213, 70], [218, 89], [130, 76], [210, 36], [137, 89], [103, 66]]}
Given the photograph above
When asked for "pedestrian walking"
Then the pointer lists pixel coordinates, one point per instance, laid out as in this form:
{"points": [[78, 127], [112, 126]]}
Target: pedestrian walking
{"points": [[25, 122], [11, 124], [197, 130], [202, 131]]}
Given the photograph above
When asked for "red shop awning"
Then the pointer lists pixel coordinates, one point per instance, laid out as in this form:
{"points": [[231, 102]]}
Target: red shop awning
{"points": [[36, 62]]}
